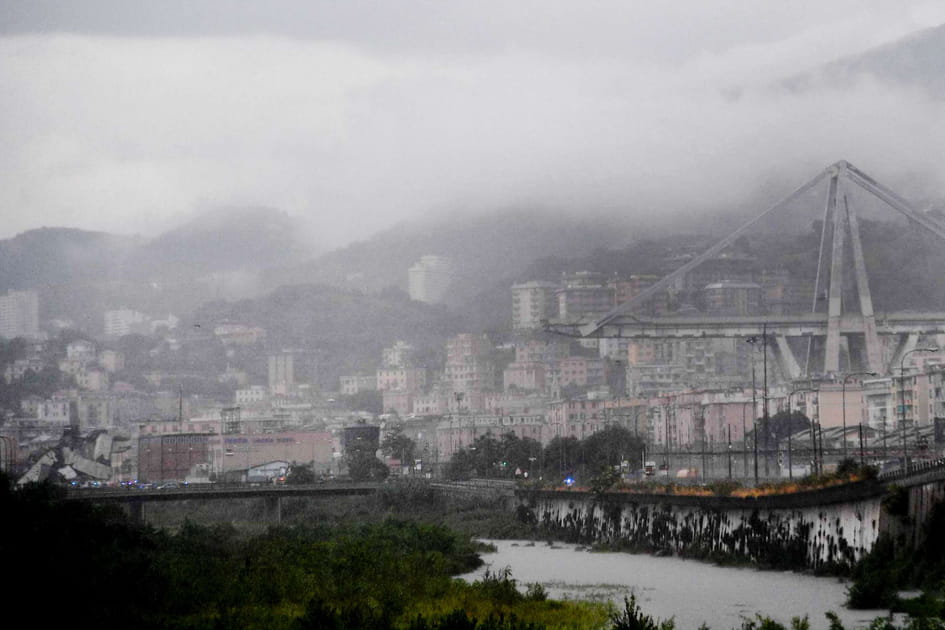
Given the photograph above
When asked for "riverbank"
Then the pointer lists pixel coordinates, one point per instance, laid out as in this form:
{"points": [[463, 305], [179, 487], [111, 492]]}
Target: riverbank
{"points": [[490, 518], [691, 592]]}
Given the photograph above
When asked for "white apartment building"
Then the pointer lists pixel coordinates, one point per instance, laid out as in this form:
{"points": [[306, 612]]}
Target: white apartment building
{"points": [[81, 350], [430, 279], [533, 302], [19, 314], [398, 355], [251, 394], [125, 321]]}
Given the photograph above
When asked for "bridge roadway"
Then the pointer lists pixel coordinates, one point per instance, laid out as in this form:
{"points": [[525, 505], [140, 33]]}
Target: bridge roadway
{"points": [[217, 491], [804, 325], [918, 475], [135, 499]]}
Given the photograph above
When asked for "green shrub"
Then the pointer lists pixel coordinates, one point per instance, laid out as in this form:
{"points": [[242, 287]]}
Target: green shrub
{"points": [[632, 618]]}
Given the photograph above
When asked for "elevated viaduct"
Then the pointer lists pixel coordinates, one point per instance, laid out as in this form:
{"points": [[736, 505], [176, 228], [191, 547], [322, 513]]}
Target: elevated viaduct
{"points": [[825, 529]]}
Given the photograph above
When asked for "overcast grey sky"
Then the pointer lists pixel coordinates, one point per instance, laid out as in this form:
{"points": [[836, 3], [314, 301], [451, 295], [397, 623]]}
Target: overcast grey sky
{"points": [[130, 116]]}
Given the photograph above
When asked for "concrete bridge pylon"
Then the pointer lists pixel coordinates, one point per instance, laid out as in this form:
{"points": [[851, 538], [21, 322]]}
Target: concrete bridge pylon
{"points": [[837, 321]]}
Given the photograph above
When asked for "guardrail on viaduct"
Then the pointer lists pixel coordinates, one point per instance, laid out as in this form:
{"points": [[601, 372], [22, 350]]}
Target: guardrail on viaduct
{"points": [[135, 500], [829, 528]]}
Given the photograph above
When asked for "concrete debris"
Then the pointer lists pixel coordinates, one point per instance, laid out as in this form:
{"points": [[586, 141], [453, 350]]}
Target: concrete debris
{"points": [[92, 469], [40, 468], [77, 459], [67, 472], [103, 447]]}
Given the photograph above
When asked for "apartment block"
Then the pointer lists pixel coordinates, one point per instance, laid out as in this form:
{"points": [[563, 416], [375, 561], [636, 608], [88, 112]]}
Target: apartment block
{"points": [[533, 302], [281, 372], [469, 365], [354, 383], [399, 355], [125, 321], [408, 379], [584, 295], [429, 280], [251, 395], [19, 314]]}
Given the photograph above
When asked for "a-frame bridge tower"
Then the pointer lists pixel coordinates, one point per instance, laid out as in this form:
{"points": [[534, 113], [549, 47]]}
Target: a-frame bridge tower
{"points": [[817, 336]]}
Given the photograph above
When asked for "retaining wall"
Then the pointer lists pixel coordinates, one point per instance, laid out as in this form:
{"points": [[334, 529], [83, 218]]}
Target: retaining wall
{"points": [[822, 530]]}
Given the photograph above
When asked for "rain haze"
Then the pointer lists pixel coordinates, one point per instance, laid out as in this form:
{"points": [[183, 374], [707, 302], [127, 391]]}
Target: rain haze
{"points": [[303, 301], [354, 116]]}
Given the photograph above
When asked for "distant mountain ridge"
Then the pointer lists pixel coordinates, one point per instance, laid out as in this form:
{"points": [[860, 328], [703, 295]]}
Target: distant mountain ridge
{"points": [[913, 61], [219, 241], [80, 274], [60, 255], [227, 239]]}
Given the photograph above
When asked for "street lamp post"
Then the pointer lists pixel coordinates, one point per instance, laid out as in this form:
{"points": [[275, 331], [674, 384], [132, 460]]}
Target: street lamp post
{"points": [[764, 393], [790, 410], [744, 442], [902, 399], [754, 415], [843, 405]]}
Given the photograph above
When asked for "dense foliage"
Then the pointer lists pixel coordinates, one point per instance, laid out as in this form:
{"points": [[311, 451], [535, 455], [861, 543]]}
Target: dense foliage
{"points": [[893, 565], [500, 457], [393, 574], [398, 445]]}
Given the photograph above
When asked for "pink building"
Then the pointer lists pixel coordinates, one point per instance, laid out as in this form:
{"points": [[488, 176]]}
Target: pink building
{"points": [[525, 376], [432, 404], [410, 379], [724, 416], [577, 417], [354, 383], [514, 404], [538, 351], [469, 366], [580, 371]]}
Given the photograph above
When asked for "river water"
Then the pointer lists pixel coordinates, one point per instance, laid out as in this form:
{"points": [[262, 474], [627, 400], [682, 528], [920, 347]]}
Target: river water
{"points": [[690, 591]]}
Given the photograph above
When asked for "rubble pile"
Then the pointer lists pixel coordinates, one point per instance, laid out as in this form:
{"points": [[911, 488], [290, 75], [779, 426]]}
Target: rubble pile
{"points": [[79, 459]]}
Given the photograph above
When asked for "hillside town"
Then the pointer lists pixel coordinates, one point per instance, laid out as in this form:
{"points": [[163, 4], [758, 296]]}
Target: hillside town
{"points": [[695, 403]]}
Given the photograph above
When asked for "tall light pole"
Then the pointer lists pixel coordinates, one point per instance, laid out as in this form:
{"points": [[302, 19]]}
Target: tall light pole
{"points": [[843, 404], [753, 340], [902, 399], [790, 411], [744, 441]]}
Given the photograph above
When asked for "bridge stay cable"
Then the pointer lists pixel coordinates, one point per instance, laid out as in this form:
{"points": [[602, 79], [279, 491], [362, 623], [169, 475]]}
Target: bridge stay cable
{"points": [[840, 223]]}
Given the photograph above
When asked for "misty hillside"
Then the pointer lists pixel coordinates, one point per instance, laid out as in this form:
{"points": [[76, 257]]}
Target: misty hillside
{"points": [[913, 61], [345, 331], [222, 240], [486, 248], [81, 274], [62, 255]]}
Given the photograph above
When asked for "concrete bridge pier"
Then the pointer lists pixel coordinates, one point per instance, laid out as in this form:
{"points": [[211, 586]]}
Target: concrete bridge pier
{"points": [[273, 509], [136, 512]]}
